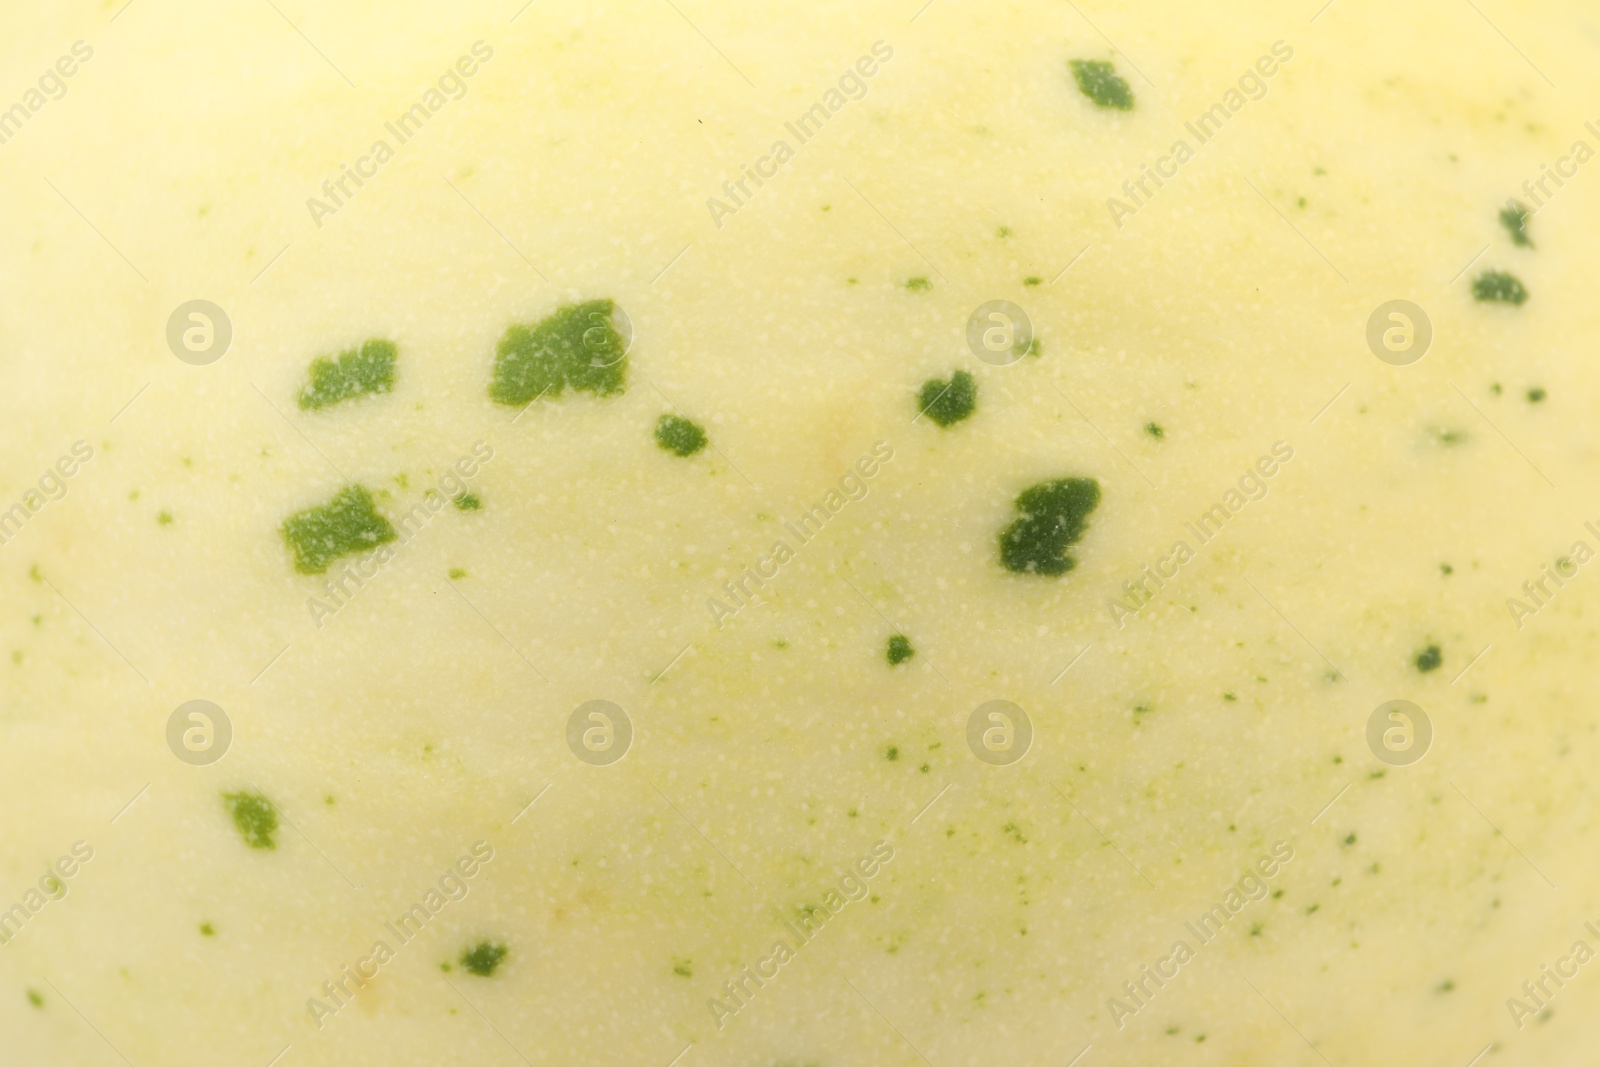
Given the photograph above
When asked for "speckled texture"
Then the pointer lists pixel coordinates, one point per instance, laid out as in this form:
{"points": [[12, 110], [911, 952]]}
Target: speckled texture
{"points": [[403, 737]]}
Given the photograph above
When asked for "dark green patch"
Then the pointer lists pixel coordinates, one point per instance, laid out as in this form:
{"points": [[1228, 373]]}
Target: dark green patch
{"points": [[1499, 287], [347, 523], [1100, 82], [483, 958], [947, 402], [1154, 430], [1536, 395], [918, 285], [357, 372], [1429, 659], [207, 930], [1351, 839], [1031, 281], [1446, 570], [35, 998], [467, 502], [891, 753], [164, 518], [456, 572], [1054, 516], [898, 650], [683, 968], [576, 347], [254, 817], [679, 435], [1514, 217]]}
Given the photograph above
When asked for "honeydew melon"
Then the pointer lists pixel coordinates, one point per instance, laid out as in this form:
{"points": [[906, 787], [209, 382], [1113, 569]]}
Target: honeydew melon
{"points": [[864, 784]]}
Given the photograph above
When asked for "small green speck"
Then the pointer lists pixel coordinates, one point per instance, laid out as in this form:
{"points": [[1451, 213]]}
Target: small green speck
{"points": [[347, 523], [1054, 518], [947, 402], [1429, 659], [918, 284], [1229, 697], [1154, 430], [35, 998], [1032, 280], [133, 494], [328, 800], [1301, 202], [1499, 287], [1313, 909], [852, 281], [1003, 232], [33, 572], [456, 572], [1100, 82], [1350, 839], [255, 818], [682, 968], [483, 958], [1514, 217], [207, 930], [891, 753], [357, 372], [1446, 570], [467, 502], [898, 650], [577, 346], [164, 518], [1445, 986], [1536, 395], [445, 967], [679, 435]]}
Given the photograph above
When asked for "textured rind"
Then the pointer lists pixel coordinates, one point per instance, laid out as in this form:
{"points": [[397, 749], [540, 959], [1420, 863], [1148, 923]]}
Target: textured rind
{"points": [[434, 712]]}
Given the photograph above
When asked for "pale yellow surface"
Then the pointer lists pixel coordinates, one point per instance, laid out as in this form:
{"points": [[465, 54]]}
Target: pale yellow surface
{"points": [[591, 142]]}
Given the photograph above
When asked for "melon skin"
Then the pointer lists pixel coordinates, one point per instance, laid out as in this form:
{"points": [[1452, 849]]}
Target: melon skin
{"points": [[1182, 742]]}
